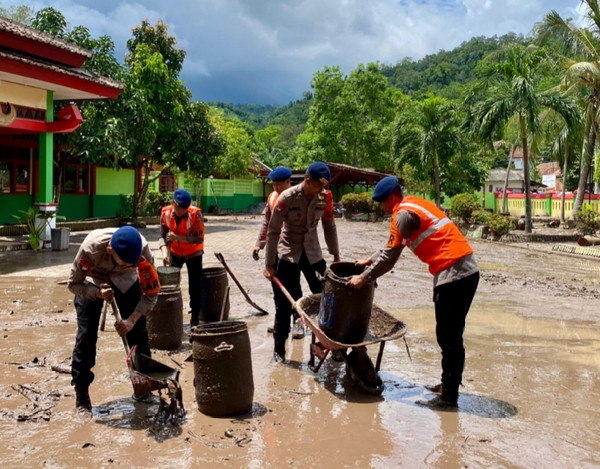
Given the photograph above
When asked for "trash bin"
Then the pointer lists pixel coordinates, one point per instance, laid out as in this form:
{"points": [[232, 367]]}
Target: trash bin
{"points": [[59, 238]]}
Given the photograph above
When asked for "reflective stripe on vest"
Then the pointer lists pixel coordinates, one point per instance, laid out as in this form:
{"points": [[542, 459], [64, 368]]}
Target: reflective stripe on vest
{"points": [[437, 224], [183, 248], [438, 242]]}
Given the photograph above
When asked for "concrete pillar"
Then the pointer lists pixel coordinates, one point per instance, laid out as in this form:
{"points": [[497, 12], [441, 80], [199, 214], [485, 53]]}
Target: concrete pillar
{"points": [[46, 155]]}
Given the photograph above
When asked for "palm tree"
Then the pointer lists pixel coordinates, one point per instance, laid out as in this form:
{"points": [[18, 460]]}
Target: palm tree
{"points": [[581, 58], [512, 95], [564, 146], [426, 138]]}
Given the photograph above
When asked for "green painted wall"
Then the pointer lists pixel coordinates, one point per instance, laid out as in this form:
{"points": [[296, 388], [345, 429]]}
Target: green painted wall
{"points": [[489, 201], [106, 205], [235, 195], [110, 181], [11, 204], [74, 207]]}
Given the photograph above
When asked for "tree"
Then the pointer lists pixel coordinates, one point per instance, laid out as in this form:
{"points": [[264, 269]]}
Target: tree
{"points": [[580, 49], [269, 146], [350, 118], [21, 13], [426, 137], [155, 100], [89, 137], [157, 39], [238, 151], [511, 92]]}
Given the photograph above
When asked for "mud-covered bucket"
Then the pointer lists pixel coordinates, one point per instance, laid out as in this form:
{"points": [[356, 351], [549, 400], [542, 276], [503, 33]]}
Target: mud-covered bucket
{"points": [[169, 275], [213, 285], [344, 312], [165, 320], [222, 368]]}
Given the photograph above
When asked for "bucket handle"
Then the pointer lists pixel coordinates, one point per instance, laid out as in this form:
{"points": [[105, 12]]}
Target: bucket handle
{"points": [[223, 347]]}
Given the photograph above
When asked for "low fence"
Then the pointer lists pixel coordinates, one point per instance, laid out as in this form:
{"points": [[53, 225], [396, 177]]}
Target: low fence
{"points": [[19, 229], [542, 205]]}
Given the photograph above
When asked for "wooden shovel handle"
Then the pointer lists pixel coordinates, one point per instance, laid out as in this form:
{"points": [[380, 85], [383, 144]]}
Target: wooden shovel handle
{"points": [[117, 314]]}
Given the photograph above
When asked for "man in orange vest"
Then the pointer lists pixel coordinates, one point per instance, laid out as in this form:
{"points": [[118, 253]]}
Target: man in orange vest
{"points": [[437, 241], [280, 178], [182, 242]]}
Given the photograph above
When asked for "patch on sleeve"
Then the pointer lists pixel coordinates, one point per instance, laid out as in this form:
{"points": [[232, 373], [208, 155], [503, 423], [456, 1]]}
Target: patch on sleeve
{"points": [[391, 241], [85, 265], [281, 206]]}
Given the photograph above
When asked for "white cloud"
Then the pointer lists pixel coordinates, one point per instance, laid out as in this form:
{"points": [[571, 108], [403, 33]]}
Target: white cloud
{"points": [[266, 51]]}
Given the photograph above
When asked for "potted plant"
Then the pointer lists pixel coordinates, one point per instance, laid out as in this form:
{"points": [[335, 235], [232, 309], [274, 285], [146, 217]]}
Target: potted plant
{"points": [[35, 223]]}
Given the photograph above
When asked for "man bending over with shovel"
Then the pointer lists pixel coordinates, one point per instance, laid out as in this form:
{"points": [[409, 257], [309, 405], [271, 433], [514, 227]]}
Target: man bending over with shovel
{"points": [[106, 268]]}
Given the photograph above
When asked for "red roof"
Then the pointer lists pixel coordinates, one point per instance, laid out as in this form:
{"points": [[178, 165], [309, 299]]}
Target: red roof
{"points": [[30, 57]]}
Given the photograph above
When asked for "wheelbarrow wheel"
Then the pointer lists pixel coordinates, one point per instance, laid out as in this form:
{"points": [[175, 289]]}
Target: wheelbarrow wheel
{"points": [[362, 372]]}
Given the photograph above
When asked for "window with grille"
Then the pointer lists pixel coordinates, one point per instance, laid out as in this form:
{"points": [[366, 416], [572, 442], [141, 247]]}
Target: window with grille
{"points": [[76, 179], [15, 170]]}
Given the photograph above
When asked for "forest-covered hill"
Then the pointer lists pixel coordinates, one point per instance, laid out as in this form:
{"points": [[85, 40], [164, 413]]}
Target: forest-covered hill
{"points": [[444, 73]]}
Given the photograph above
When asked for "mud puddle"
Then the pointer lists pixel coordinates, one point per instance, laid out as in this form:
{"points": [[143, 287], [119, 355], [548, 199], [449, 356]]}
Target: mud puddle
{"points": [[530, 394]]}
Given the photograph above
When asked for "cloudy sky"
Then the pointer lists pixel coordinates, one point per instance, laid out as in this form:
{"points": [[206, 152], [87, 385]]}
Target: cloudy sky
{"points": [[266, 51]]}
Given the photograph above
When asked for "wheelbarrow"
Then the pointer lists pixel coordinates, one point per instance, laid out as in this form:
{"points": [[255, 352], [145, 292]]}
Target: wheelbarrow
{"points": [[147, 374], [382, 327]]}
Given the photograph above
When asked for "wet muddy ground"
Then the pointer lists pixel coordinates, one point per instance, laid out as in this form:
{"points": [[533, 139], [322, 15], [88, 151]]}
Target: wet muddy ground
{"points": [[530, 398]]}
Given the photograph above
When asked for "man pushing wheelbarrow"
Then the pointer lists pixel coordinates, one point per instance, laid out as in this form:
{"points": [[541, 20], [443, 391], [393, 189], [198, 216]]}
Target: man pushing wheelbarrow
{"points": [[293, 243]]}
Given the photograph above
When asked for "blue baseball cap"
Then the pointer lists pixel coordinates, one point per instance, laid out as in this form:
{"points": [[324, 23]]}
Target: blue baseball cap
{"points": [[319, 171], [384, 188], [280, 174], [127, 243], [182, 197]]}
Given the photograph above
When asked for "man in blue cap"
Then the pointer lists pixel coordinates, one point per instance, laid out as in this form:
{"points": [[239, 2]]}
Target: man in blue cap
{"points": [[293, 243], [105, 269], [280, 178], [182, 242], [437, 241]]}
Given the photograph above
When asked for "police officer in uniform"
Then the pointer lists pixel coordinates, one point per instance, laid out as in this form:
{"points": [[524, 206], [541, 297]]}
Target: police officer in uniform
{"points": [[435, 240], [280, 178], [104, 268], [182, 242], [293, 243]]}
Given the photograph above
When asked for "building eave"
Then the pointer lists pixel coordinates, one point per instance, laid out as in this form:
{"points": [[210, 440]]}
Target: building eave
{"points": [[18, 37], [66, 83]]}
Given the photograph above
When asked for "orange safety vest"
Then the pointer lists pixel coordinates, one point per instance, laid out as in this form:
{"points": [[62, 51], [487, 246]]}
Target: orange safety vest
{"points": [[193, 223], [438, 242], [328, 213], [148, 276], [272, 200]]}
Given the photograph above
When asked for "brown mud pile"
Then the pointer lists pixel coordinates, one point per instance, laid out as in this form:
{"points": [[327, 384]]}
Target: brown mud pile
{"points": [[530, 398]]}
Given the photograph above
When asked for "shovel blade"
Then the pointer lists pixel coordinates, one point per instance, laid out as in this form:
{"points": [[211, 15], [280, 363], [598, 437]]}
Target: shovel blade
{"points": [[147, 374]]}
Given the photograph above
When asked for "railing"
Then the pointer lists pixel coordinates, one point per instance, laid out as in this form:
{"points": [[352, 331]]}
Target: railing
{"points": [[545, 204]]}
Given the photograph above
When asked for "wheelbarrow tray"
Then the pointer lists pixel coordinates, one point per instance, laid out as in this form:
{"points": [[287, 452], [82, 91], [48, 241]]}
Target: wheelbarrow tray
{"points": [[147, 374], [382, 325]]}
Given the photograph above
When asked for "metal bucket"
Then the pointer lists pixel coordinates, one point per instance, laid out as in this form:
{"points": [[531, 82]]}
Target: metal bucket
{"points": [[222, 368], [345, 312], [169, 275], [165, 320], [213, 285]]}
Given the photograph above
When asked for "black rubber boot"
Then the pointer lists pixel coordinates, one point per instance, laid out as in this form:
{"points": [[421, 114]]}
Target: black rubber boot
{"points": [[279, 353], [82, 399], [195, 320]]}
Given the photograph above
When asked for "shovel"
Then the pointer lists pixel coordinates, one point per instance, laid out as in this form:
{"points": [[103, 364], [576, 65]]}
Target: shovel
{"points": [[261, 312], [145, 373]]}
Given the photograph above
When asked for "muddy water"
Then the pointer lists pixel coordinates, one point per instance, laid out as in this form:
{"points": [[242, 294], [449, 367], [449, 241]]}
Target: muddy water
{"points": [[530, 397]]}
